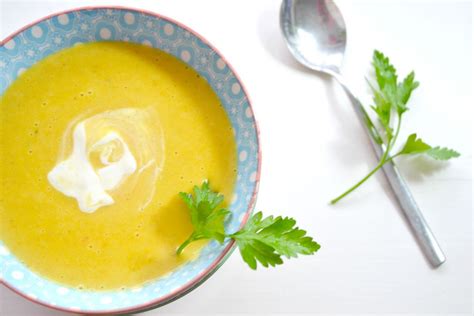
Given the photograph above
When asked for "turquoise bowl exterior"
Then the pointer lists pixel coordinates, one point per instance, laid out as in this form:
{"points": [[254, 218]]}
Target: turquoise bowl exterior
{"points": [[66, 29]]}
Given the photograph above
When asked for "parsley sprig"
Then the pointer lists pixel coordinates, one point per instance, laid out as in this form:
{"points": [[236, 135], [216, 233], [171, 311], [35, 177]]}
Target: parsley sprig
{"points": [[263, 240], [390, 103]]}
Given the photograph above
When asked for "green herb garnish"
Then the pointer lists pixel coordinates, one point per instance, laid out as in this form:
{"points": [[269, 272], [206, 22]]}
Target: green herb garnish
{"points": [[390, 99], [264, 240]]}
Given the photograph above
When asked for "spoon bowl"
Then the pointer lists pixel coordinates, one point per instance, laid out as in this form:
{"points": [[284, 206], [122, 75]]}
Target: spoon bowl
{"points": [[315, 33]]}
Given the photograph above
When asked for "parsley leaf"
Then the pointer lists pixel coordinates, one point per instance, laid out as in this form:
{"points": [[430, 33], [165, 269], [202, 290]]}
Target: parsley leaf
{"points": [[384, 71], [404, 92], [207, 219], [442, 153], [261, 240], [390, 99], [415, 145], [383, 108], [274, 237]]}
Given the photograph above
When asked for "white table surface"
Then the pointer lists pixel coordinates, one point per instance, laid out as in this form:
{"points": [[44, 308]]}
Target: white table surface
{"points": [[313, 148]]}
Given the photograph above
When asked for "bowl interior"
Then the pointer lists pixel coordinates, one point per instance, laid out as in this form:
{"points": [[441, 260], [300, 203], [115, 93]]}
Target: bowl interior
{"points": [[64, 30]]}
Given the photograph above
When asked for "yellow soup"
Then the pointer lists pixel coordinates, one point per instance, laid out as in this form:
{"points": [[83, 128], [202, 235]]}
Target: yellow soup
{"points": [[127, 98]]}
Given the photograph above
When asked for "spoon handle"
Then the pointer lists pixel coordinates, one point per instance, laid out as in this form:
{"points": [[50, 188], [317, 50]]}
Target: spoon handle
{"points": [[411, 212]]}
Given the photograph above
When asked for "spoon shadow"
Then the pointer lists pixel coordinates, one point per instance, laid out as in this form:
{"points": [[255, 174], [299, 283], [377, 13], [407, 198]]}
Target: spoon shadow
{"points": [[352, 147], [270, 36], [352, 137]]}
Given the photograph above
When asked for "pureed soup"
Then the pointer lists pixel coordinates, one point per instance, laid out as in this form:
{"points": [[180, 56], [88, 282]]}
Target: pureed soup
{"points": [[96, 143]]}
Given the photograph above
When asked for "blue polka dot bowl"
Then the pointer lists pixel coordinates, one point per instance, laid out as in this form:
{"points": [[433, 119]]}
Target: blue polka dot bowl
{"points": [[66, 29]]}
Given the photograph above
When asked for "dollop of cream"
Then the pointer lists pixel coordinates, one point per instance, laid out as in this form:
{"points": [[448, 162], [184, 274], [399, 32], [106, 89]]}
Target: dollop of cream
{"points": [[101, 160]]}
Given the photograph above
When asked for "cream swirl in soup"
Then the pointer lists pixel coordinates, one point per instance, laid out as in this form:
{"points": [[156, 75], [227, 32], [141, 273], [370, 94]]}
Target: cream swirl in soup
{"points": [[107, 150]]}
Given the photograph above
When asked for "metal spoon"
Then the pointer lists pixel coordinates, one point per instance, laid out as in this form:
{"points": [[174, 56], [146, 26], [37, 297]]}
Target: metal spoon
{"points": [[316, 36]]}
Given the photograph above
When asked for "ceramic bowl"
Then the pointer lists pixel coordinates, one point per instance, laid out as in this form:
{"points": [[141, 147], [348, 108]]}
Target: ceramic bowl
{"points": [[66, 29]]}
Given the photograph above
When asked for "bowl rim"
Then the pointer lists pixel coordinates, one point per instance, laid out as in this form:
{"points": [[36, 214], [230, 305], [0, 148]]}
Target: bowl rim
{"points": [[227, 251]]}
